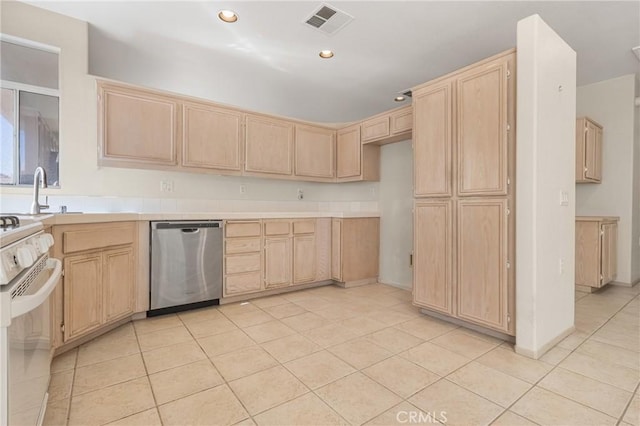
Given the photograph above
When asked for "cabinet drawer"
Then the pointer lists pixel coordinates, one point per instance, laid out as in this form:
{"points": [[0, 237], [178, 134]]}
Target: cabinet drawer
{"points": [[242, 263], [375, 129], [242, 245], [97, 236], [242, 229], [244, 283], [276, 228], [304, 227]]}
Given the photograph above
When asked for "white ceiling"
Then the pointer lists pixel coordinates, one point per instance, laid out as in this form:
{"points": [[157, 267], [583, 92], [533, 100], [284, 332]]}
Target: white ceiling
{"points": [[268, 60]]}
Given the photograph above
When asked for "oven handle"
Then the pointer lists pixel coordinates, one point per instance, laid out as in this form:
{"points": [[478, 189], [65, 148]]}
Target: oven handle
{"points": [[23, 304]]}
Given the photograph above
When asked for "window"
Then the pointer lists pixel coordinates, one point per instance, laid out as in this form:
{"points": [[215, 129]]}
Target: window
{"points": [[29, 119]]}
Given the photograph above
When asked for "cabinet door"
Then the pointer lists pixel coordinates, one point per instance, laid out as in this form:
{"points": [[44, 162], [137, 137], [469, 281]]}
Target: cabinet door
{"points": [[277, 262], [211, 137], [581, 135], [482, 292], [588, 249], [482, 130], [336, 249], [374, 129], [304, 258], [609, 241], [82, 294], [349, 153], [137, 126], [432, 251], [402, 120], [593, 150], [268, 145], [432, 110], [315, 152], [118, 283]]}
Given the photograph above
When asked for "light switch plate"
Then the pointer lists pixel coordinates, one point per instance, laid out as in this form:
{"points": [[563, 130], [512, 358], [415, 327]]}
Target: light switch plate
{"points": [[564, 198]]}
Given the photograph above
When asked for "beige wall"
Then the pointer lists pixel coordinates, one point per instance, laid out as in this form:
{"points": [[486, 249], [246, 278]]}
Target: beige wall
{"points": [[79, 172], [611, 103], [396, 214]]}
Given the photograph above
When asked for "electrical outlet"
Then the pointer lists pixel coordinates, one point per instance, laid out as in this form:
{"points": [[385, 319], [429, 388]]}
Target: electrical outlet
{"points": [[300, 194], [561, 266], [243, 188], [166, 186]]}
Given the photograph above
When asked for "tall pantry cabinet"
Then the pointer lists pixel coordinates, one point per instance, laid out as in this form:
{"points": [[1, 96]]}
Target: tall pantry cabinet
{"points": [[464, 169]]}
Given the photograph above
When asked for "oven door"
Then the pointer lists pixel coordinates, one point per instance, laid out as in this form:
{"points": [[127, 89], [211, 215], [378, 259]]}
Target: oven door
{"points": [[29, 357]]}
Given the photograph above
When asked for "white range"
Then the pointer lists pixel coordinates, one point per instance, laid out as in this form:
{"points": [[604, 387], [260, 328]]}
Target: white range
{"points": [[27, 278]]}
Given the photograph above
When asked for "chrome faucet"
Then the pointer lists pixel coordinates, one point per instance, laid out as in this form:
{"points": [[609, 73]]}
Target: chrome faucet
{"points": [[39, 177]]}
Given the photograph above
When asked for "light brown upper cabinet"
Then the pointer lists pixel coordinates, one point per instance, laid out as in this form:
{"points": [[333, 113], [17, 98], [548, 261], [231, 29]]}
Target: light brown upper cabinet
{"points": [[391, 126], [375, 128], [268, 145], [588, 151], [432, 140], [401, 120], [315, 152], [356, 161], [212, 137], [348, 151], [136, 127], [481, 124]]}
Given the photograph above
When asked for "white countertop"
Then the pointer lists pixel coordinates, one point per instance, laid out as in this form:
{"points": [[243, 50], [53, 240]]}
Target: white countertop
{"points": [[75, 218]]}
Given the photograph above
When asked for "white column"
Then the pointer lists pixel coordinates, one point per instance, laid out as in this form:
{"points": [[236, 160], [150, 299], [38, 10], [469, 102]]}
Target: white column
{"points": [[545, 228]]}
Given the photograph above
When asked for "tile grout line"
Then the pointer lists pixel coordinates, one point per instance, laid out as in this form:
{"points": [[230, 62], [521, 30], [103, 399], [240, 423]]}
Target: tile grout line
{"points": [[626, 408], [558, 365], [146, 370], [224, 379]]}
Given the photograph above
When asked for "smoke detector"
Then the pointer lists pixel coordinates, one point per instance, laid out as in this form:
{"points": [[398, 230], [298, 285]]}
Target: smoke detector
{"points": [[328, 19]]}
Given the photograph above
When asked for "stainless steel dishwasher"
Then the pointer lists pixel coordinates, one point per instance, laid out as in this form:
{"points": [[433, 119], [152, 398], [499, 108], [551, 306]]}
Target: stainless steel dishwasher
{"points": [[186, 265]]}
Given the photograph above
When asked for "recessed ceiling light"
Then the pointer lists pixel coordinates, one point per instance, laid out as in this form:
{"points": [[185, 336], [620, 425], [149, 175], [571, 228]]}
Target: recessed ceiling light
{"points": [[399, 98], [326, 54], [228, 16]]}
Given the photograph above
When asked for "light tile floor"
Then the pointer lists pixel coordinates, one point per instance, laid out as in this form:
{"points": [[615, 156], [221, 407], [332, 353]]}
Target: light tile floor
{"points": [[349, 356]]}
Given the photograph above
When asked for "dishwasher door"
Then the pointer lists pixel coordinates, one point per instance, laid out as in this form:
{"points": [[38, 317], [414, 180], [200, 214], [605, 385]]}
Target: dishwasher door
{"points": [[186, 265]]}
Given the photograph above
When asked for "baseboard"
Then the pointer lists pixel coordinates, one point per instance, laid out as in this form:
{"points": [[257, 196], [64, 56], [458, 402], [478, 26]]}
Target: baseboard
{"points": [[407, 287], [67, 346], [623, 284], [273, 292], [357, 283], [537, 353], [465, 324]]}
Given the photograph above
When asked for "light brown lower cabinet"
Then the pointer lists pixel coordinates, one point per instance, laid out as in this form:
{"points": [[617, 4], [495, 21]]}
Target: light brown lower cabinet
{"points": [[355, 249], [596, 251], [461, 260], [270, 254], [99, 277], [277, 262], [433, 255], [242, 257]]}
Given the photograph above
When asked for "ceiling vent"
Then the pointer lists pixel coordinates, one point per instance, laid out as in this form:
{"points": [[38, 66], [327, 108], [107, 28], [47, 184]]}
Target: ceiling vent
{"points": [[328, 19]]}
